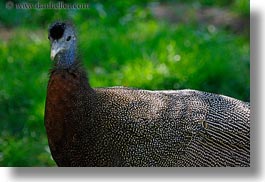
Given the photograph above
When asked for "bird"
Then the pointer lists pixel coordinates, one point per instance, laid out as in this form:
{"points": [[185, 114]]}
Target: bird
{"points": [[131, 127]]}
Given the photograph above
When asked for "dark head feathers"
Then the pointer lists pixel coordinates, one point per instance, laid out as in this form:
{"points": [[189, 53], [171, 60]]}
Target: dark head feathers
{"points": [[56, 30]]}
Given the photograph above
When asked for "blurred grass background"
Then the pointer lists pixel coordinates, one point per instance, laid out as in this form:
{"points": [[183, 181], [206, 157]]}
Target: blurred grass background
{"points": [[196, 44]]}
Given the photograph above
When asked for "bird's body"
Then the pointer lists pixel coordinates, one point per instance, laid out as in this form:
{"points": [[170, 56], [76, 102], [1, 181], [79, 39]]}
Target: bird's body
{"points": [[121, 126]]}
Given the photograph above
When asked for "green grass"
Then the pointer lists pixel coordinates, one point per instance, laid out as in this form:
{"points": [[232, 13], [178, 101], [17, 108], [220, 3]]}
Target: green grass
{"points": [[130, 49], [155, 55]]}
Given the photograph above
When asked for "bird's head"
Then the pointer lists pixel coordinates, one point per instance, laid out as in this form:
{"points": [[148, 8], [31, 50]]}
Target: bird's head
{"points": [[63, 44]]}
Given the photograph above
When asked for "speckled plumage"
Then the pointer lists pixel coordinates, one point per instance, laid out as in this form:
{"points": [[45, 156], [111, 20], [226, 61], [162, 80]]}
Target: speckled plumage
{"points": [[121, 126]]}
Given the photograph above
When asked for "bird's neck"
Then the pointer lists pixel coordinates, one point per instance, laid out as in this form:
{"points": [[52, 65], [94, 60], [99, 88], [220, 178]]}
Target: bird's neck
{"points": [[74, 70], [67, 59]]}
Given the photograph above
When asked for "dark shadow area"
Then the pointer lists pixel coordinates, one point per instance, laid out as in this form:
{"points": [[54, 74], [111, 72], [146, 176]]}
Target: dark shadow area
{"points": [[255, 94], [74, 173]]}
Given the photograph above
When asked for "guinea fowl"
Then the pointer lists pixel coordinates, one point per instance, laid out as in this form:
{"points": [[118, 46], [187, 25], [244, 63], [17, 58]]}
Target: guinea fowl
{"points": [[121, 126]]}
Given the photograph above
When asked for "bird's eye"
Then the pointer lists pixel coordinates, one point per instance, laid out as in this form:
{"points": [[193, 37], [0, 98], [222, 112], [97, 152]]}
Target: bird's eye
{"points": [[49, 37], [68, 38]]}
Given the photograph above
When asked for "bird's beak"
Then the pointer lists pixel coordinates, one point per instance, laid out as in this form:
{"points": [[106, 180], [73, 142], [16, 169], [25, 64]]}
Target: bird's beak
{"points": [[55, 49]]}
